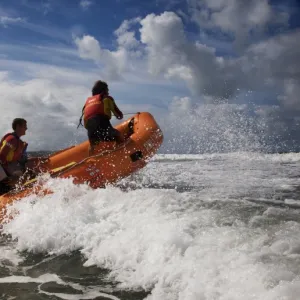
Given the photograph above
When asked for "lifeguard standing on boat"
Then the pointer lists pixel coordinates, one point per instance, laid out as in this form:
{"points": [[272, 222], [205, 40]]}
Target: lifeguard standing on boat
{"points": [[97, 113]]}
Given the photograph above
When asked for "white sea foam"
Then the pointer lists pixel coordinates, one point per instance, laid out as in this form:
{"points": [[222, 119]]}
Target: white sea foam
{"points": [[85, 293], [241, 155], [169, 242], [9, 254], [26, 279]]}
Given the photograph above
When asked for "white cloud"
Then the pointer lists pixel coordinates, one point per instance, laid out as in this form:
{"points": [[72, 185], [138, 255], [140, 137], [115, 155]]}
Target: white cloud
{"points": [[85, 4], [54, 32], [89, 48], [169, 52], [165, 51], [124, 59], [51, 107], [290, 98], [49, 97], [275, 64], [180, 71], [236, 17], [3, 75], [127, 40], [164, 29], [114, 62], [264, 65], [5, 21]]}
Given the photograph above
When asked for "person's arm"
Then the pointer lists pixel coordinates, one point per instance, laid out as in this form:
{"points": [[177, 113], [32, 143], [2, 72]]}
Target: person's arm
{"points": [[117, 111], [110, 106]]}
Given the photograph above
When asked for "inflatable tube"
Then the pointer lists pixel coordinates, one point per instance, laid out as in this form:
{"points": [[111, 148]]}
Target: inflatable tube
{"points": [[110, 162]]}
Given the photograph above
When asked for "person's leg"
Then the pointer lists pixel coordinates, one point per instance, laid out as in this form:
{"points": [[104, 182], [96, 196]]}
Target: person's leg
{"points": [[14, 169], [3, 174], [115, 135], [92, 147], [91, 150], [15, 174], [101, 130], [4, 187], [92, 129]]}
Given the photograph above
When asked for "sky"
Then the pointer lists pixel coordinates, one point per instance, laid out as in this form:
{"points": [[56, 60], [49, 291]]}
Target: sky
{"points": [[217, 75]]}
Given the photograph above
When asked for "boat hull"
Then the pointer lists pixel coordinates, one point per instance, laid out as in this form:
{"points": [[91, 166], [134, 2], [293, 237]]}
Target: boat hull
{"points": [[110, 162]]}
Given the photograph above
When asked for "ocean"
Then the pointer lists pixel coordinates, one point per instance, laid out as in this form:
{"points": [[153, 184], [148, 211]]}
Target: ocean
{"points": [[186, 227]]}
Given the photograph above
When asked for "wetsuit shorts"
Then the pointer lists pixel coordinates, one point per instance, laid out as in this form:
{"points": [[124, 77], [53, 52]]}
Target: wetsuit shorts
{"points": [[100, 129]]}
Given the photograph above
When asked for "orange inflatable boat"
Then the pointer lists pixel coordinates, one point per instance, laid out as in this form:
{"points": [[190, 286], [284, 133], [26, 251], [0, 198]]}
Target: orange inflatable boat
{"points": [[109, 163]]}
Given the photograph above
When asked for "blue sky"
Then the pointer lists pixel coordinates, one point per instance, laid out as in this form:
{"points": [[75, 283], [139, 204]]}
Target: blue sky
{"points": [[166, 57], [56, 21]]}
